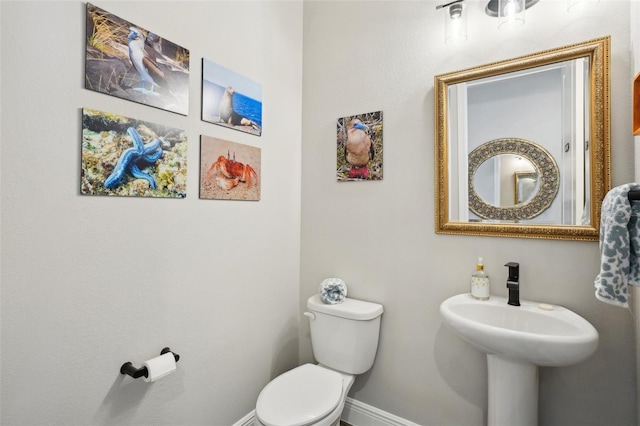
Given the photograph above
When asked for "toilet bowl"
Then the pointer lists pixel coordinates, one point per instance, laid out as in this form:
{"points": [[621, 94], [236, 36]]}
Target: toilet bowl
{"points": [[344, 338], [307, 395]]}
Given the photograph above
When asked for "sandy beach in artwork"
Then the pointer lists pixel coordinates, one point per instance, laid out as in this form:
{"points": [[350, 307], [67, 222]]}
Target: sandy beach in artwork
{"points": [[212, 148]]}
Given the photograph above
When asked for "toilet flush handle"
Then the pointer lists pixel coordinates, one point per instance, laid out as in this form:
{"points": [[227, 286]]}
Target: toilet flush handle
{"points": [[311, 315]]}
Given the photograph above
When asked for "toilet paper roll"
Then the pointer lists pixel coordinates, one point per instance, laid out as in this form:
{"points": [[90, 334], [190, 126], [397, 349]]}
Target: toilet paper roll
{"points": [[159, 367]]}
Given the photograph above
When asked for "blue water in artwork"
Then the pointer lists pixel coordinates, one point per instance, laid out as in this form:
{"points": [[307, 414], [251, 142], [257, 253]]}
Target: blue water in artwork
{"points": [[243, 105]]}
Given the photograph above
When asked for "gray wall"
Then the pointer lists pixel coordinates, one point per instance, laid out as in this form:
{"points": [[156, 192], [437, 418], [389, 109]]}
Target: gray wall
{"points": [[379, 236], [89, 282]]}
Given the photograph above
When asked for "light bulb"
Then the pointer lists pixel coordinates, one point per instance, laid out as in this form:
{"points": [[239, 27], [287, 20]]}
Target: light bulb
{"points": [[455, 11], [510, 12], [455, 25]]}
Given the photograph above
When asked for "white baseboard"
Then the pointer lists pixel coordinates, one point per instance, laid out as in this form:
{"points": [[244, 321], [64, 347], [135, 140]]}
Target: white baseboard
{"points": [[355, 413], [246, 420], [358, 413]]}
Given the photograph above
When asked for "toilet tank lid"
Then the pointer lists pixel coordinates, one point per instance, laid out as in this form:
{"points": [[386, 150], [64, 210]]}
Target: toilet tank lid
{"points": [[349, 309]]}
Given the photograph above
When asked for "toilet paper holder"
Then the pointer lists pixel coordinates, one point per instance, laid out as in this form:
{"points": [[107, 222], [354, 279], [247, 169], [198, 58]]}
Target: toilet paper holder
{"points": [[128, 368]]}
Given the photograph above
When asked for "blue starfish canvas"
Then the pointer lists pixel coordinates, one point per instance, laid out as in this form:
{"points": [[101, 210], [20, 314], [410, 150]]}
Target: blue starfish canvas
{"points": [[128, 157]]}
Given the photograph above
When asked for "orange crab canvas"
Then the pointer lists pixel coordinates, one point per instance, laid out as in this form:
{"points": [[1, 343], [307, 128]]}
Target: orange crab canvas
{"points": [[229, 170]]}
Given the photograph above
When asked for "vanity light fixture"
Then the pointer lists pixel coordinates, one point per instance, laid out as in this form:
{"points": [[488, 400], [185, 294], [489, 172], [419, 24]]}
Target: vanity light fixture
{"points": [[509, 12], [455, 21], [500, 8]]}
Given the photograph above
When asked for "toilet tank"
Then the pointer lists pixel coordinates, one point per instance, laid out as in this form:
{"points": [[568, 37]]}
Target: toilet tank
{"points": [[345, 336]]}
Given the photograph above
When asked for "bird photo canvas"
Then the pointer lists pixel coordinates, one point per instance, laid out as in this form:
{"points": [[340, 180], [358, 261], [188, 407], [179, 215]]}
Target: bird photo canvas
{"points": [[359, 152], [125, 60], [229, 99], [128, 157], [229, 170]]}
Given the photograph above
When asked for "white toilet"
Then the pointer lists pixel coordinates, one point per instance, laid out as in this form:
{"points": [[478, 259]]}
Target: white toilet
{"points": [[345, 341]]}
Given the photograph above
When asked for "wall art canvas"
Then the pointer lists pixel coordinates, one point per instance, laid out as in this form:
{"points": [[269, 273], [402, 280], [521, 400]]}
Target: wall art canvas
{"points": [[359, 150], [229, 170], [230, 99], [133, 158], [127, 61]]}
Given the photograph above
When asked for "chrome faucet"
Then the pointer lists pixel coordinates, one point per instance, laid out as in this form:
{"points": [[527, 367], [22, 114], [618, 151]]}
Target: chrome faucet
{"points": [[513, 283]]}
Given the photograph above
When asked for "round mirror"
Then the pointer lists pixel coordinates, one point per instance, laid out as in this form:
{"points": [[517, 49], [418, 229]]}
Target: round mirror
{"points": [[506, 180], [502, 160]]}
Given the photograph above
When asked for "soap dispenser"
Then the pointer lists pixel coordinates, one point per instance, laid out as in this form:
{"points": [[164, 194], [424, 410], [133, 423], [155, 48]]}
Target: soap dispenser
{"points": [[480, 282]]}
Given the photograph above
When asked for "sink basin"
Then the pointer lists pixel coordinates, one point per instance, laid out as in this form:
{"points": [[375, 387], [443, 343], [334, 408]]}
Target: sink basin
{"points": [[529, 333], [517, 340]]}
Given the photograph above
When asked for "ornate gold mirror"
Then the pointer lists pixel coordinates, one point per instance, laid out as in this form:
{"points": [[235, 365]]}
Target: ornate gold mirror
{"points": [[522, 145], [500, 156]]}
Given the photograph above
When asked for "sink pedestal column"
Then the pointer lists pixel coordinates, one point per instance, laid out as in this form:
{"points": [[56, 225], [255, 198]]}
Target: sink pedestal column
{"points": [[513, 392]]}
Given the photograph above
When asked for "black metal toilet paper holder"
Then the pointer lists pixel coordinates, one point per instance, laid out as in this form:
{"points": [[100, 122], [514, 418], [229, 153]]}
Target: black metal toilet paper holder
{"points": [[136, 373]]}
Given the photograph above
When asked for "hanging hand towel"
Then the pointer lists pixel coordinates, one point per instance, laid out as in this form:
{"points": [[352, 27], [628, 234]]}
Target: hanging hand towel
{"points": [[619, 247], [333, 291]]}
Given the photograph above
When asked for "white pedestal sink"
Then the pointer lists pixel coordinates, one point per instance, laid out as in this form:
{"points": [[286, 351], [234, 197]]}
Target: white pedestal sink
{"points": [[518, 339]]}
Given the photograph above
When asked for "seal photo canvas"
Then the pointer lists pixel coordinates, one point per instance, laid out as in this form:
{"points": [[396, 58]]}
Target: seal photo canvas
{"points": [[359, 147], [230, 99], [125, 60], [128, 157], [229, 170]]}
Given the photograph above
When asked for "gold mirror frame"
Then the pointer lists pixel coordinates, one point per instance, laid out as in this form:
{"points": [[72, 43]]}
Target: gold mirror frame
{"points": [[548, 175], [598, 53], [519, 196]]}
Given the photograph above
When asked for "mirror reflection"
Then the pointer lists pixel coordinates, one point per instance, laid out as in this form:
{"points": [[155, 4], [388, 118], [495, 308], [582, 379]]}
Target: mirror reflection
{"points": [[545, 104], [525, 185], [513, 185], [499, 159], [552, 104]]}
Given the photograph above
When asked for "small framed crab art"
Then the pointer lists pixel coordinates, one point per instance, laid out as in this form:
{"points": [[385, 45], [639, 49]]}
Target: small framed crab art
{"points": [[229, 170], [359, 147]]}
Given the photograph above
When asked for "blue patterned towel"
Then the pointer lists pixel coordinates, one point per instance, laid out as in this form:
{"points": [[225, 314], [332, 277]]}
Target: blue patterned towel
{"points": [[619, 246]]}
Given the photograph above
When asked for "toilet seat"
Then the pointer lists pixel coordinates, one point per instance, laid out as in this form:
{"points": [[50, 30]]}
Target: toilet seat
{"points": [[300, 396]]}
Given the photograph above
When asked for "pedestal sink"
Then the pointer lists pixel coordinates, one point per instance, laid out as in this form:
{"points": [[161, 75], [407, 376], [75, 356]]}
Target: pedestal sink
{"points": [[517, 340]]}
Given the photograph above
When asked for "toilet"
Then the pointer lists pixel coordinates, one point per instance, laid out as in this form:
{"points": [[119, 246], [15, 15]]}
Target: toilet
{"points": [[345, 341]]}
